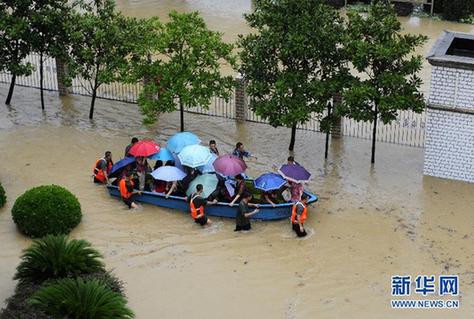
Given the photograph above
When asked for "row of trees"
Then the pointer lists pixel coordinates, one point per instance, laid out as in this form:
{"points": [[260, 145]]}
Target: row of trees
{"points": [[302, 53]]}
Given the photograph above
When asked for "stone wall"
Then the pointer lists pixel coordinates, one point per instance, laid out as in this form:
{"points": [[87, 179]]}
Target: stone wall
{"points": [[449, 145]]}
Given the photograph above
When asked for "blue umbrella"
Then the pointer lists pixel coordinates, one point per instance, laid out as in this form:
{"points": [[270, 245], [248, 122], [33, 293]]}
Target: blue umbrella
{"points": [[180, 140], [163, 155], [269, 181], [177, 163], [117, 168], [195, 155], [208, 167], [168, 174]]}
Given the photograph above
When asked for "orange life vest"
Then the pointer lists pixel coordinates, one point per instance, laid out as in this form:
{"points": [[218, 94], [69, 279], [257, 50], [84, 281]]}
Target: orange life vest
{"points": [[303, 215], [195, 212], [99, 173], [124, 190]]}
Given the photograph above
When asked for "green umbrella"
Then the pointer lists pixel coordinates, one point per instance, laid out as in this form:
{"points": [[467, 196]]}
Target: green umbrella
{"points": [[208, 181]]}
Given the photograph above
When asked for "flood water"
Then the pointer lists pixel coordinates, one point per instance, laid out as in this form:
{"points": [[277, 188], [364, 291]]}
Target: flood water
{"points": [[370, 223]]}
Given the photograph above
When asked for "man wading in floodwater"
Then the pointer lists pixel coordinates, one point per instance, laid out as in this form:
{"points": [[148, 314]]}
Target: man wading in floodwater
{"points": [[298, 216], [242, 220], [196, 205]]}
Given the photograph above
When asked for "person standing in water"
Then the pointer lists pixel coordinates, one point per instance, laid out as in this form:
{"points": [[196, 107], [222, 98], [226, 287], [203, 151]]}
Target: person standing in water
{"points": [[298, 216], [126, 191], [196, 205], [242, 219], [241, 152], [102, 168]]}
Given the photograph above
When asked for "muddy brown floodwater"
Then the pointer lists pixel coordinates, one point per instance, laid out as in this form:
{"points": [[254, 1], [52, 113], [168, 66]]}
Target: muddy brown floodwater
{"points": [[370, 222]]}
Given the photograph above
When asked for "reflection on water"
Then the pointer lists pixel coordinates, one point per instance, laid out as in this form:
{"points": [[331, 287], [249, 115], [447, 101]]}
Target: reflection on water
{"points": [[370, 223]]}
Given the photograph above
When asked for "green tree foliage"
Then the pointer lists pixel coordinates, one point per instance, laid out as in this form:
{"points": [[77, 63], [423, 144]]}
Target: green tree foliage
{"points": [[49, 32], [57, 257], [295, 62], [455, 10], [48, 209], [183, 68], [14, 40], [387, 81], [101, 40], [80, 299], [3, 196]]}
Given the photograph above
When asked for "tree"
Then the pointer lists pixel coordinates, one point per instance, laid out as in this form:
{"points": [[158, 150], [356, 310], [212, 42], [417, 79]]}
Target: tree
{"points": [[14, 42], [103, 40], [49, 33], [387, 81], [185, 68], [294, 63]]}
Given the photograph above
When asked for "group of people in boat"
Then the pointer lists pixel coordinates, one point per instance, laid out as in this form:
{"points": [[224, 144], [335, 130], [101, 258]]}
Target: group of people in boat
{"points": [[135, 178]]}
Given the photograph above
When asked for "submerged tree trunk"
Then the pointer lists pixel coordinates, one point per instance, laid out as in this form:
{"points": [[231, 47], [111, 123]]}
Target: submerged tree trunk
{"points": [[41, 80], [181, 111], [327, 133], [374, 134], [293, 136], [91, 110], [94, 95], [10, 91]]}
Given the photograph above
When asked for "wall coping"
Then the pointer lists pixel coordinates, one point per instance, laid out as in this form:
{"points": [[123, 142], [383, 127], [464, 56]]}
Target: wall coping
{"points": [[438, 56], [453, 109]]}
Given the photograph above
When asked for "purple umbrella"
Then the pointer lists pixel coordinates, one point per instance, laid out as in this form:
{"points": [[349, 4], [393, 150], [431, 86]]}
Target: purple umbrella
{"points": [[229, 165], [294, 173]]}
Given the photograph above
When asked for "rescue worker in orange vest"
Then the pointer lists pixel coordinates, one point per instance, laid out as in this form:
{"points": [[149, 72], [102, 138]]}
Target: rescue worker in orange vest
{"points": [[196, 205], [298, 216], [102, 168], [126, 191]]}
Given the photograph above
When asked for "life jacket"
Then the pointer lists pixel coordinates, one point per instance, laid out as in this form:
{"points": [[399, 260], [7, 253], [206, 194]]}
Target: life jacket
{"points": [[125, 192], [195, 212], [294, 218], [99, 173]]}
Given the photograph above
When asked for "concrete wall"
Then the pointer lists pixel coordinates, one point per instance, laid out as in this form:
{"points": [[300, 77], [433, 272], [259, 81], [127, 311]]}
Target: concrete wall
{"points": [[449, 146]]}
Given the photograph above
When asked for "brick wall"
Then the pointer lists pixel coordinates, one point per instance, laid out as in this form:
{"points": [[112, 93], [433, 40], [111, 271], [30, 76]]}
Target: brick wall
{"points": [[449, 145]]}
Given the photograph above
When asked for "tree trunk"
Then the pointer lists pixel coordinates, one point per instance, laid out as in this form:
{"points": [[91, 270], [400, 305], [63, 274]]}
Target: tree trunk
{"points": [[41, 80], [374, 134], [293, 136], [181, 111], [327, 133], [10, 91], [91, 110]]}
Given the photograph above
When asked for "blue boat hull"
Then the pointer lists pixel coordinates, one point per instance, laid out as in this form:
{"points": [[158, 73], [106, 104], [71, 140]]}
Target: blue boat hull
{"points": [[266, 211]]}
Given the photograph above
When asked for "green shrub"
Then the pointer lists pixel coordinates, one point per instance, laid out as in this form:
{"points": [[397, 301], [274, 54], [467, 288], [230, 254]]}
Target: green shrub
{"points": [[46, 210], [80, 299], [3, 197], [336, 3], [57, 257]]}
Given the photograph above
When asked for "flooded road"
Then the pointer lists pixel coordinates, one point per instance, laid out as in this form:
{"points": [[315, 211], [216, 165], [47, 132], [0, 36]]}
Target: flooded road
{"points": [[226, 16], [370, 223]]}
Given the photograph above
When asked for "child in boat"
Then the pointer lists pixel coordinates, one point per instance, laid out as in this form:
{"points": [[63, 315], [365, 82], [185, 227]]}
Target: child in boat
{"points": [[127, 192], [298, 216], [196, 205], [242, 219], [270, 197]]}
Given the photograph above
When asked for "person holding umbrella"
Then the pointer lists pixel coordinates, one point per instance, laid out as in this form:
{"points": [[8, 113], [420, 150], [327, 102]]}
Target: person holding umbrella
{"points": [[129, 146], [298, 216], [196, 205], [242, 219]]}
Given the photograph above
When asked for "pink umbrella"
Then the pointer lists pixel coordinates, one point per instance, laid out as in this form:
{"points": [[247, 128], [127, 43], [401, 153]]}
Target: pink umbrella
{"points": [[229, 165], [144, 148]]}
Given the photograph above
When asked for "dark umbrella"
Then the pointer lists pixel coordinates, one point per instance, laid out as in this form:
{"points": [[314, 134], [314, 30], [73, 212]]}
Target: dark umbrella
{"points": [[294, 173], [120, 165]]}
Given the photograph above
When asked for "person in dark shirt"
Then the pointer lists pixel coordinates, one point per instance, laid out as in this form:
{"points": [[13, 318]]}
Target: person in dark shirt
{"points": [[242, 219], [240, 189], [241, 152], [213, 147], [196, 205], [129, 146]]}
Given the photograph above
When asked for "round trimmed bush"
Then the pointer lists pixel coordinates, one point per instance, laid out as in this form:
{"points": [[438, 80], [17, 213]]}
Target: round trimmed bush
{"points": [[3, 197], [48, 209]]}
